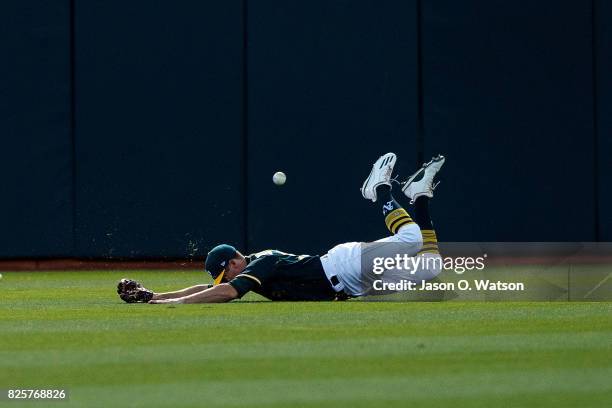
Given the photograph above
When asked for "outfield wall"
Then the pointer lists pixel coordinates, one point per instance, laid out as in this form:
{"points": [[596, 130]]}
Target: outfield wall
{"points": [[152, 129], [158, 119], [36, 156], [331, 85], [509, 97], [603, 115]]}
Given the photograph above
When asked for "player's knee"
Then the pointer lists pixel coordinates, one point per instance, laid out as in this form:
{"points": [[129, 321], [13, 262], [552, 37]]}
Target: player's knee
{"points": [[410, 233]]}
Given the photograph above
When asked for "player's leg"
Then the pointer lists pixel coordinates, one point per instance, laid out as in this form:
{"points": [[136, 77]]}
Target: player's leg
{"points": [[343, 262], [419, 188], [423, 219], [378, 185], [398, 221], [346, 261], [405, 240], [431, 263], [408, 231]]}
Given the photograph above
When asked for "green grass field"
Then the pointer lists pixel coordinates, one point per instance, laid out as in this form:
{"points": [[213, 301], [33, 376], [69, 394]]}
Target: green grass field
{"points": [[70, 330]]}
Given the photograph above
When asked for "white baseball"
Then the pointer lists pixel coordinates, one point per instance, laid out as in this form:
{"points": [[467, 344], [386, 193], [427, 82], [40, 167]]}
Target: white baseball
{"points": [[279, 178]]}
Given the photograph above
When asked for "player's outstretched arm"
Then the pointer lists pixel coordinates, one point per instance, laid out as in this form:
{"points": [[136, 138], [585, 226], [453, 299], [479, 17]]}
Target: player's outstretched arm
{"points": [[181, 293], [217, 294]]}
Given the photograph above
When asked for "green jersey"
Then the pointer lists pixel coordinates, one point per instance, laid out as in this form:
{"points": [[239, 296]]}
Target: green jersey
{"points": [[277, 275]]}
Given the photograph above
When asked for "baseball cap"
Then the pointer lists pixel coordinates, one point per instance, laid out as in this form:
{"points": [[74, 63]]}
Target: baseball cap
{"points": [[217, 260]]}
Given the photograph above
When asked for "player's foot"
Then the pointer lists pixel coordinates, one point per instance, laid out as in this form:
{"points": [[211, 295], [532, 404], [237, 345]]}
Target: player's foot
{"points": [[380, 174], [131, 291], [422, 183]]}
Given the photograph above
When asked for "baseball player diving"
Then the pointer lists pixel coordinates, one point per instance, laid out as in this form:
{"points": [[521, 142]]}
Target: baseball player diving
{"points": [[341, 273]]}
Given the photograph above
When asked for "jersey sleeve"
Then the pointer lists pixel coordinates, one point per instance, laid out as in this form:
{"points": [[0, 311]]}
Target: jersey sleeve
{"points": [[254, 275]]}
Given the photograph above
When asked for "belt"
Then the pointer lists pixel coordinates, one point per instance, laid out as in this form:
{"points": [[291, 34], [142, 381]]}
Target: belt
{"points": [[336, 284]]}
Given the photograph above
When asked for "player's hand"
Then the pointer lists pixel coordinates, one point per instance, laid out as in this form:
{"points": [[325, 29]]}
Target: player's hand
{"points": [[131, 291]]}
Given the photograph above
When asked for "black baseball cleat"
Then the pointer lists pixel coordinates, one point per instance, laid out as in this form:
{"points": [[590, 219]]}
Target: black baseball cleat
{"points": [[131, 291]]}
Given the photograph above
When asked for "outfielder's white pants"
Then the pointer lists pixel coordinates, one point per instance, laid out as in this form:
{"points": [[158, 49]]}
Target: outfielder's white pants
{"points": [[344, 260]]}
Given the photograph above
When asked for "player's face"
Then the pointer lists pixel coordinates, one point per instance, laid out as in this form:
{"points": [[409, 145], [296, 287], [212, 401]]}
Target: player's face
{"points": [[234, 267]]}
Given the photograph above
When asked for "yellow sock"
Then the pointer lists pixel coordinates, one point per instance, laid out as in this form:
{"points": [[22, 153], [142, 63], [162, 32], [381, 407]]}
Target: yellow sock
{"points": [[396, 219], [430, 242]]}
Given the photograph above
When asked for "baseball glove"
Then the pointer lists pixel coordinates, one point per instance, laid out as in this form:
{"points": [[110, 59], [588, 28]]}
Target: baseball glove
{"points": [[131, 291]]}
